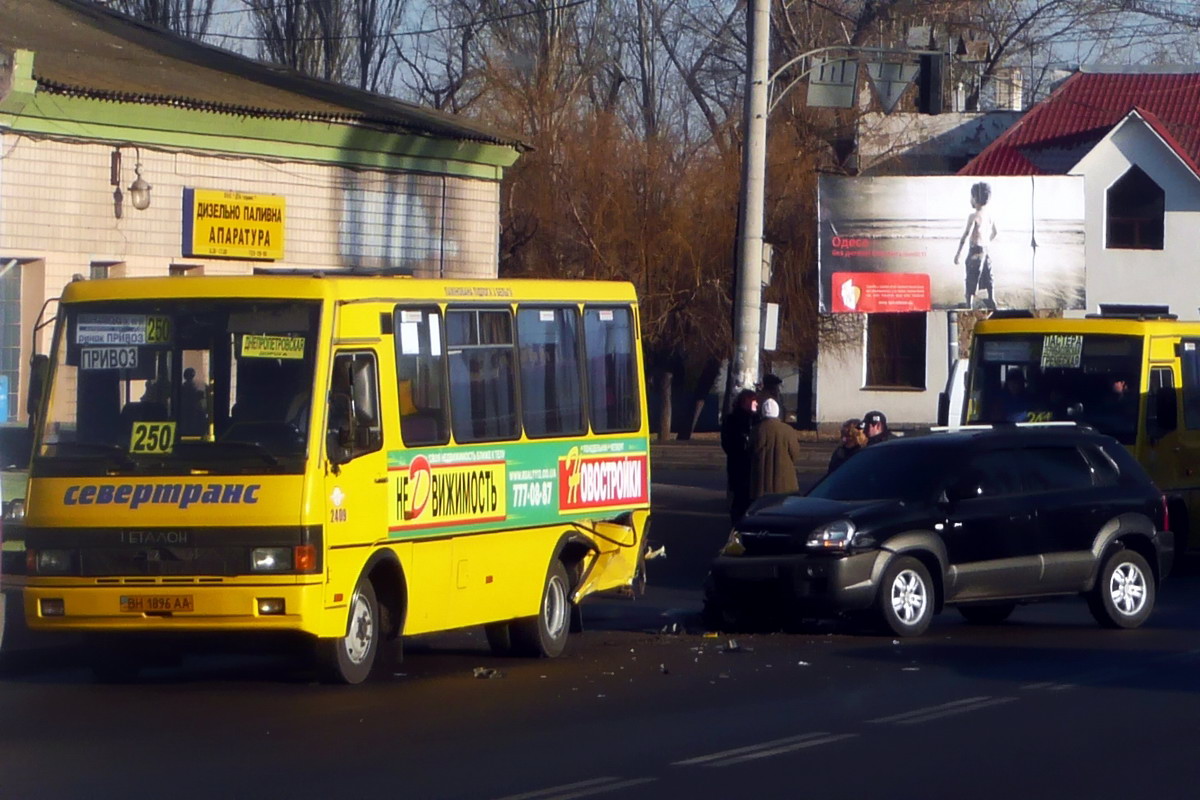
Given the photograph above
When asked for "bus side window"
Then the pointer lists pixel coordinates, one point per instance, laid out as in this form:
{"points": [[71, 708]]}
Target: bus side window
{"points": [[550, 368], [483, 393], [1161, 406], [611, 369], [421, 376], [1189, 357]]}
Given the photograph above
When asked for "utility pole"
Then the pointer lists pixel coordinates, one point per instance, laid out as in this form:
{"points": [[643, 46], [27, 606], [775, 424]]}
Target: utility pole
{"points": [[747, 319]]}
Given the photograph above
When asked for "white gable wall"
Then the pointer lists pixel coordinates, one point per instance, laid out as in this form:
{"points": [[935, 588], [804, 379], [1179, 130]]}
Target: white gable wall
{"points": [[1169, 276]]}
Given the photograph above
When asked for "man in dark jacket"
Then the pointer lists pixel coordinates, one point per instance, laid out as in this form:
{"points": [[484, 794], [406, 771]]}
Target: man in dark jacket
{"points": [[876, 427], [737, 431], [776, 448]]}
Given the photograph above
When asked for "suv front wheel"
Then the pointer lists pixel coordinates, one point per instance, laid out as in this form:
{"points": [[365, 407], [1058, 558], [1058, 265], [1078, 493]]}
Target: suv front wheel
{"points": [[906, 597], [1124, 593]]}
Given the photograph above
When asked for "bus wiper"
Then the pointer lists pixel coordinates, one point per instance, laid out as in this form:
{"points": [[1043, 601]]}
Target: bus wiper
{"points": [[266, 454], [113, 451]]}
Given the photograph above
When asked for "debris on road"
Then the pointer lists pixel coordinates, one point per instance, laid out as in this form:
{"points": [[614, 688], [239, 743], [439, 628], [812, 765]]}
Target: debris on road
{"points": [[484, 673]]}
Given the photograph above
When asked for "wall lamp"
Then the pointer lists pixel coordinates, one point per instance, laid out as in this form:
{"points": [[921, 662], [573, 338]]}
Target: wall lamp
{"points": [[139, 190]]}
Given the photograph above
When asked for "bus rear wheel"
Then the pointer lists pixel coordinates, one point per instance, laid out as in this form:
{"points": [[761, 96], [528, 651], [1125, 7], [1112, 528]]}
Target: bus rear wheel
{"points": [[545, 634], [349, 658]]}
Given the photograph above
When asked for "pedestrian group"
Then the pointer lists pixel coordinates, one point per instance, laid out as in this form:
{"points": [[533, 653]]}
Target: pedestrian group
{"points": [[761, 449]]}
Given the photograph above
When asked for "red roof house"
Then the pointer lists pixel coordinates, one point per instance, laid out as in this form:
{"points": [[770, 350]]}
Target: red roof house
{"points": [[1056, 133]]}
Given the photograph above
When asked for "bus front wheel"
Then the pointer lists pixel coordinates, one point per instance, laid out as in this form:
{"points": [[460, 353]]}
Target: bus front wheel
{"points": [[545, 634], [349, 659]]}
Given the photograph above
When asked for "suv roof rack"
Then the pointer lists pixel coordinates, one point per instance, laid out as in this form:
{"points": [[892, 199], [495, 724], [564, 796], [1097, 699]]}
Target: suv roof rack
{"points": [[1132, 311]]}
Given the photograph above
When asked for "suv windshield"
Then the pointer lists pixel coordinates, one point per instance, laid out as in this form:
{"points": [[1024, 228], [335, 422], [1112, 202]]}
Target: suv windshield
{"points": [[887, 473], [164, 386], [1043, 377]]}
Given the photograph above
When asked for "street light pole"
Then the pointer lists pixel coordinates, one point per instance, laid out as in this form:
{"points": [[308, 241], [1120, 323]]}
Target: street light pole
{"points": [[747, 319]]}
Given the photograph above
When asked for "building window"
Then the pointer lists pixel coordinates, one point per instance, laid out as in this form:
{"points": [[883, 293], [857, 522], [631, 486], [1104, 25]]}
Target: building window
{"points": [[186, 270], [106, 269], [896, 351], [10, 338], [1135, 208]]}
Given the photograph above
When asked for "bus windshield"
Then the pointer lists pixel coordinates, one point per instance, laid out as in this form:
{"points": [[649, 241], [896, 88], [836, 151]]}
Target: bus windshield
{"points": [[164, 386], [1044, 377]]}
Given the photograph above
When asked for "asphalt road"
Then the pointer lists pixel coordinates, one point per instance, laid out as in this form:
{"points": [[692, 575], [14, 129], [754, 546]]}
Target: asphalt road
{"points": [[646, 703]]}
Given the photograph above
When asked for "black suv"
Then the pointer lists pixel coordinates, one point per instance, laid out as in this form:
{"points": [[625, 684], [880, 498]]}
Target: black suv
{"points": [[980, 518]]}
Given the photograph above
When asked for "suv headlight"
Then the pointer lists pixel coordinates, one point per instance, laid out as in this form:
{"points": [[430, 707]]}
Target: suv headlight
{"points": [[836, 535], [733, 545]]}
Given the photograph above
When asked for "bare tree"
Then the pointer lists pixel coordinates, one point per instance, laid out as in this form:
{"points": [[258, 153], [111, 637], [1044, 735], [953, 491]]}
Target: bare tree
{"points": [[311, 37], [190, 18]]}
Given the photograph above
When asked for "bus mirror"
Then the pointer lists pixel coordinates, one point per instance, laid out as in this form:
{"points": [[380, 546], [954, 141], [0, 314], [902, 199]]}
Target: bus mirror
{"points": [[39, 368], [340, 435], [1166, 408]]}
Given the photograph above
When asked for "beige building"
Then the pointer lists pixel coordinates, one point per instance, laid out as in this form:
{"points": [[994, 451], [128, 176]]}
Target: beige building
{"points": [[128, 151]]}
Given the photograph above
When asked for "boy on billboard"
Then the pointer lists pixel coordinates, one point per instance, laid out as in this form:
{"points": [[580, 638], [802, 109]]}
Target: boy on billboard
{"points": [[981, 229]]}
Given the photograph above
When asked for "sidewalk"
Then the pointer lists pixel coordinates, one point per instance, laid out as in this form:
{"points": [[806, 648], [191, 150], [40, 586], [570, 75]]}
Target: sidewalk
{"points": [[703, 451]]}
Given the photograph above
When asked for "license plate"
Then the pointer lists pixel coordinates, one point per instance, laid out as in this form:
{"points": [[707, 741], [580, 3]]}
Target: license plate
{"points": [[156, 603]]}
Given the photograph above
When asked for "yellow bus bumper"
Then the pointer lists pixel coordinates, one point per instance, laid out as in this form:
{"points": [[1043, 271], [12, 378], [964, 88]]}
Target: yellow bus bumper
{"points": [[248, 607]]}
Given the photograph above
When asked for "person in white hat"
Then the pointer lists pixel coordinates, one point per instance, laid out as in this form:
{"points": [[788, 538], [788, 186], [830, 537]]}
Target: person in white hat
{"points": [[775, 450]]}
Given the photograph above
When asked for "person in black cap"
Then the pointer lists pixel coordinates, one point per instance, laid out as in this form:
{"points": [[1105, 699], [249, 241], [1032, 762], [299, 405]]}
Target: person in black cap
{"points": [[876, 427]]}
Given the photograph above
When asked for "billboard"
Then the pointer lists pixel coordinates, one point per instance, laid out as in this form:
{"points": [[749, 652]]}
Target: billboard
{"points": [[892, 244]]}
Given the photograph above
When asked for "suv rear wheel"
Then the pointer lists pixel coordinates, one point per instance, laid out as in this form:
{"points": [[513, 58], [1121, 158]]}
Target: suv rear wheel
{"points": [[1124, 593], [906, 597]]}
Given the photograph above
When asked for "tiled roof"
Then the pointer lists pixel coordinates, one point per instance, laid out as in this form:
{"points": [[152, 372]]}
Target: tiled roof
{"points": [[84, 50], [1086, 107]]}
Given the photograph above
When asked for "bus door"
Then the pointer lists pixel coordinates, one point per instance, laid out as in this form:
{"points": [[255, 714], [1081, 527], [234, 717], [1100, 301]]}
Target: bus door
{"points": [[356, 490]]}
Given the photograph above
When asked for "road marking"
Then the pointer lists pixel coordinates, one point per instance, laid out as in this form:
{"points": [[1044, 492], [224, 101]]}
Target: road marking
{"points": [[837, 737], [1095, 677], [762, 749], [945, 710], [579, 789]]}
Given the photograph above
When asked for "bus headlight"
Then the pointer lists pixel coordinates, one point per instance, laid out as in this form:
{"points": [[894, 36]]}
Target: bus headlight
{"points": [[14, 510], [271, 559], [53, 562]]}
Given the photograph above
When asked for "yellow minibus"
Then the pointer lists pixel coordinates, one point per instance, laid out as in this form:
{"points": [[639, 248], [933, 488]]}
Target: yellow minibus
{"points": [[357, 457], [1132, 372]]}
